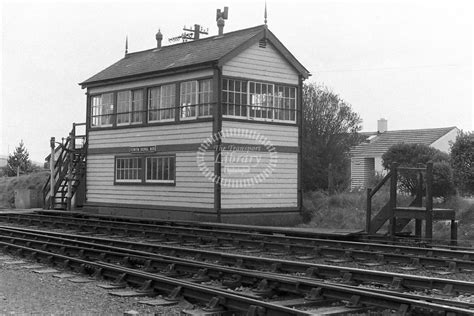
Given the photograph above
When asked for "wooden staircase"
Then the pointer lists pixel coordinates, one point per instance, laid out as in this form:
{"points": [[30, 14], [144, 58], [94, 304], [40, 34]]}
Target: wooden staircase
{"points": [[399, 217], [69, 160]]}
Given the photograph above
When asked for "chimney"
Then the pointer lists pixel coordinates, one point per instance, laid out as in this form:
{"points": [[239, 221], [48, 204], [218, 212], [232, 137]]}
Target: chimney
{"points": [[220, 25], [381, 125], [220, 17], [159, 38]]}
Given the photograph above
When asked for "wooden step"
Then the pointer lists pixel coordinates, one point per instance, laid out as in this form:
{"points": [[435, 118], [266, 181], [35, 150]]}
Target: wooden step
{"points": [[421, 213]]}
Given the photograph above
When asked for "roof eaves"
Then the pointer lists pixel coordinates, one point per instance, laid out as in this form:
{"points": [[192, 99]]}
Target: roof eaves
{"points": [[146, 75]]}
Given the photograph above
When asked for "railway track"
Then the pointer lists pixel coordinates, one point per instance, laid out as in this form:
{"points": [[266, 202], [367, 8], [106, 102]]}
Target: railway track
{"points": [[341, 251], [401, 240], [350, 275], [267, 283]]}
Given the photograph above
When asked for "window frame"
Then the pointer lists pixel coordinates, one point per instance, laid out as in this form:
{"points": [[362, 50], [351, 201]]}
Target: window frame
{"points": [[128, 181], [196, 97], [248, 96], [100, 107], [131, 107], [162, 181], [159, 109], [143, 174]]}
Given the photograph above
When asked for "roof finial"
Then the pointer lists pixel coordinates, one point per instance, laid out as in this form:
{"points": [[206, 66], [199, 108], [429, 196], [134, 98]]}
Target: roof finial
{"points": [[126, 45], [265, 15]]}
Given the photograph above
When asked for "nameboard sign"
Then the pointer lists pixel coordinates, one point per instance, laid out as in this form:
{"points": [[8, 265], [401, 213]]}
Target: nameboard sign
{"points": [[143, 149]]}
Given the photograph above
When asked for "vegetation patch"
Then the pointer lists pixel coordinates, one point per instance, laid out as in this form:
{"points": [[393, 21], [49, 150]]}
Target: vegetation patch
{"points": [[33, 181], [347, 210]]}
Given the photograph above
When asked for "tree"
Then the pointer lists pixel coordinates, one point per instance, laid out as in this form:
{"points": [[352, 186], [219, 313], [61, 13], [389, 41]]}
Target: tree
{"points": [[411, 155], [462, 162], [19, 158], [329, 130]]}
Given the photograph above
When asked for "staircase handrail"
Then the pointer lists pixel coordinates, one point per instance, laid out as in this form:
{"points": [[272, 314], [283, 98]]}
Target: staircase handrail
{"points": [[370, 193], [57, 166]]}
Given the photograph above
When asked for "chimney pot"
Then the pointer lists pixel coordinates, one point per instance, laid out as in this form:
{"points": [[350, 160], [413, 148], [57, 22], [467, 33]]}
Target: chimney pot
{"points": [[159, 38]]}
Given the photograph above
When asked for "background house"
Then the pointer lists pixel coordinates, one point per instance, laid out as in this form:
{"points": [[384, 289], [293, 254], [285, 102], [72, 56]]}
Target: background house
{"points": [[366, 158]]}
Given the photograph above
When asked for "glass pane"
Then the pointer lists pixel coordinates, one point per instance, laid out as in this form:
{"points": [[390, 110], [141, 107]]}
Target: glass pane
{"points": [[165, 169], [172, 168], [160, 169]]}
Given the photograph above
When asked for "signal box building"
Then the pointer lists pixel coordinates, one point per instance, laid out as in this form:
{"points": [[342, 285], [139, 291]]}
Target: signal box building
{"points": [[208, 129]]}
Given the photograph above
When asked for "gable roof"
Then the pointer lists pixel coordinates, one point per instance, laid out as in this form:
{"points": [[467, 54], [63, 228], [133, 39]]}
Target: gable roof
{"points": [[194, 53], [380, 143]]}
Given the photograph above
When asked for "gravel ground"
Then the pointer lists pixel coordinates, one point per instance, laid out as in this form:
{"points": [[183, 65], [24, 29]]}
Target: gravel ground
{"points": [[24, 292]]}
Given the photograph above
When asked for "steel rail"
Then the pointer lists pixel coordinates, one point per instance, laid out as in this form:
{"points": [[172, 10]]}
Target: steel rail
{"points": [[159, 283], [318, 290], [348, 254], [395, 280], [269, 230], [203, 271], [264, 230], [242, 239]]}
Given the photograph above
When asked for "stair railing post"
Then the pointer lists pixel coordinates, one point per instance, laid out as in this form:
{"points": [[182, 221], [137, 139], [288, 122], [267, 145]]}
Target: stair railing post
{"points": [[429, 201], [393, 198], [368, 210], [52, 144], [70, 154], [419, 202]]}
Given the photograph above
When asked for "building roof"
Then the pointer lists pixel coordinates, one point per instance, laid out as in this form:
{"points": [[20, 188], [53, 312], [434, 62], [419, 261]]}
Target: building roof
{"points": [[194, 53], [381, 142]]}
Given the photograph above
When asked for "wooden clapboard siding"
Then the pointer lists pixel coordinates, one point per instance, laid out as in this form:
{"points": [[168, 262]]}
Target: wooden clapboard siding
{"points": [[279, 189], [192, 189], [192, 133], [261, 64], [152, 82], [278, 135], [362, 170]]}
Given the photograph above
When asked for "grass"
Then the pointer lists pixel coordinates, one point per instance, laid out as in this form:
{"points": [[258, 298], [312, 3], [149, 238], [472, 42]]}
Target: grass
{"points": [[346, 210], [33, 181]]}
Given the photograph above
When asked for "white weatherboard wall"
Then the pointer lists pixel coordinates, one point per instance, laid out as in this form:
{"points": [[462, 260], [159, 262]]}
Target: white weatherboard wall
{"points": [[279, 189], [192, 188], [264, 64], [362, 169], [190, 133], [278, 135], [444, 142]]}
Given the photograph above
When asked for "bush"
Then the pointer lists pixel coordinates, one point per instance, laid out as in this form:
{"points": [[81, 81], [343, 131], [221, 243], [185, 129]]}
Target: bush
{"points": [[443, 184], [411, 155], [462, 161]]}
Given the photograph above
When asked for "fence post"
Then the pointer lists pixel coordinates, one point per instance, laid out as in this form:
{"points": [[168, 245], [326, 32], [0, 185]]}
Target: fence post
{"points": [[429, 201], [368, 210], [393, 198], [70, 154], [52, 143], [419, 202]]}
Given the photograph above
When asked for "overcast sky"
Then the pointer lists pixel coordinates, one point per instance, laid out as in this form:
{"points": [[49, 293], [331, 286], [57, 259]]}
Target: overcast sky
{"points": [[407, 61]]}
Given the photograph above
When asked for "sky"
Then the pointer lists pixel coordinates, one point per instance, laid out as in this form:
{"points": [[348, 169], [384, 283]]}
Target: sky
{"points": [[409, 62]]}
